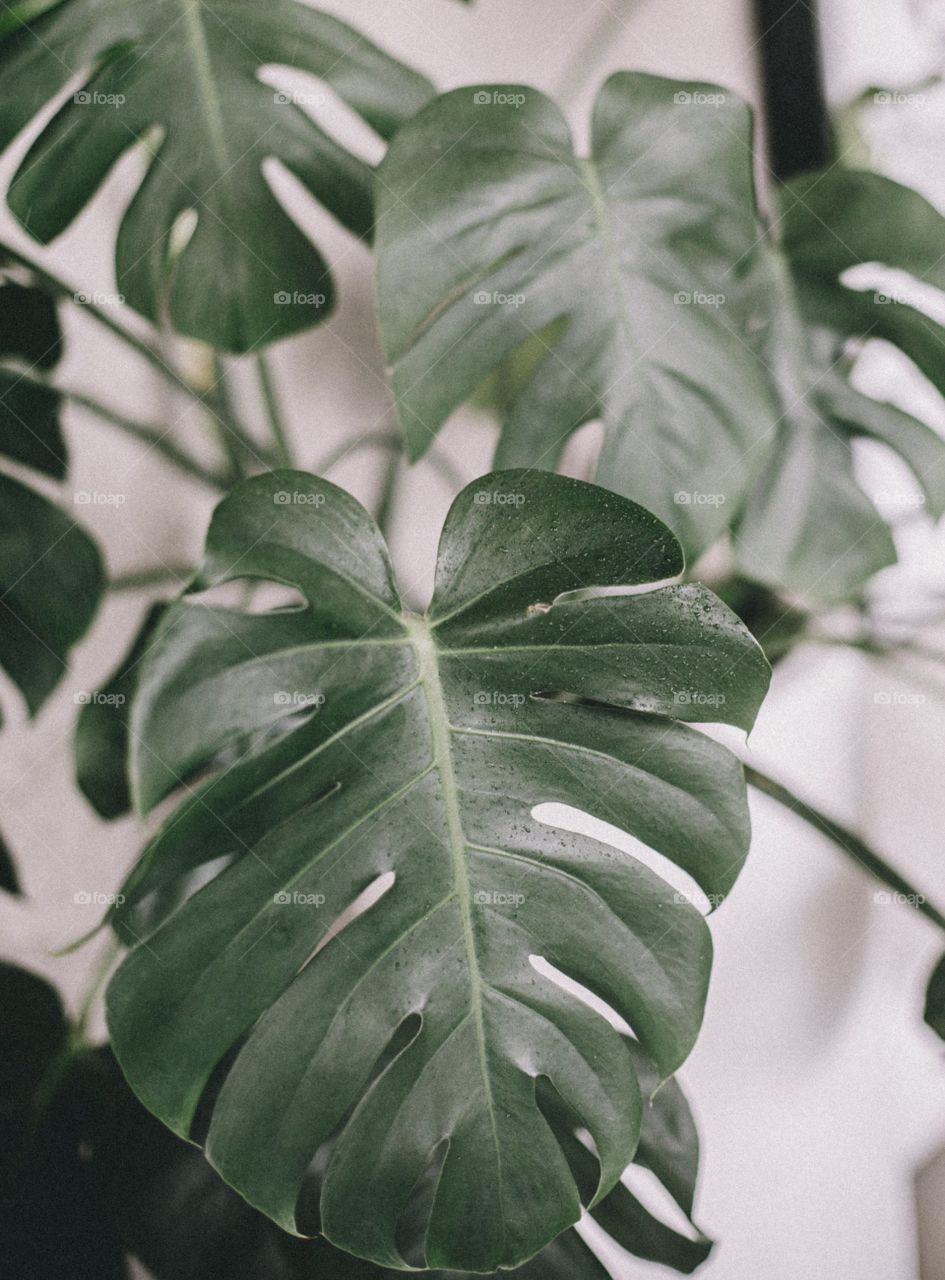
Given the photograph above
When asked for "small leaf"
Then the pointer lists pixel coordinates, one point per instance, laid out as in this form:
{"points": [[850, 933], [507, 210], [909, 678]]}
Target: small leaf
{"points": [[51, 579], [248, 275], [491, 228], [374, 748], [935, 1000], [101, 732], [807, 527], [9, 880], [29, 413]]}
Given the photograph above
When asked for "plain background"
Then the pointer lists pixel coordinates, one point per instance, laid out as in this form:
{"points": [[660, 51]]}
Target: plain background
{"points": [[818, 1092]]}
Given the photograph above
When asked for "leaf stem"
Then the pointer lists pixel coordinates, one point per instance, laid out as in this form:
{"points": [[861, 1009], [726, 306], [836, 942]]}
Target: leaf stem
{"points": [[282, 448], [849, 842], [66, 291], [138, 579], [215, 402], [154, 437], [389, 484], [234, 443]]}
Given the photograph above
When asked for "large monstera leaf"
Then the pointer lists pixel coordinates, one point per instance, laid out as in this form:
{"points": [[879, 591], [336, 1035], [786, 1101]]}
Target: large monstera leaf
{"points": [[377, 752], [807, 525], [632, 268], [189, 70]]}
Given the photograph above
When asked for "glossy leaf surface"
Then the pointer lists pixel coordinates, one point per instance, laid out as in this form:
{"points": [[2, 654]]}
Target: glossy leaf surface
{"points": [[376, 750]]}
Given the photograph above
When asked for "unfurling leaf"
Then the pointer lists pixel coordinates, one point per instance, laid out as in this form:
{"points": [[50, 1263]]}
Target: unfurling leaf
{"points": [[384, 753]]}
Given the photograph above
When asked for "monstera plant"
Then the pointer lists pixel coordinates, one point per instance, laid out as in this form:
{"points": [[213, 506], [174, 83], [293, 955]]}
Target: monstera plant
{"points": [[377, 1000]]}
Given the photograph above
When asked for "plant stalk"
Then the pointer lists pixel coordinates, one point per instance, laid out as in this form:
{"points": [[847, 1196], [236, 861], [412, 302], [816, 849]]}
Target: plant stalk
{"points": [[282, 449], [154, 437], [849, 842]]}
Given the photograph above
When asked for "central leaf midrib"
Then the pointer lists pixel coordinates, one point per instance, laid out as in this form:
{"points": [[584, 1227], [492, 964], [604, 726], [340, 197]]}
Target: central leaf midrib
{"points": [[203, 75], [426, 650], [605, 234]]}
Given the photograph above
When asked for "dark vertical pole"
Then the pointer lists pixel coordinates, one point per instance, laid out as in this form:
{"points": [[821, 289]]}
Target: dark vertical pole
{"points": [[797, 124]]}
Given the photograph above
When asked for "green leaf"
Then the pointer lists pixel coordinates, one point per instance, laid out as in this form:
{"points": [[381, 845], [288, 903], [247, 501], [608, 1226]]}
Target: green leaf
{"points": [[51, 579], [378, 750], [18, 14], [935, 1000], [491, 227], [101, 732], [807, 526], [29, 413], [9, 881], [29, 325], [190, 70], [53, 1221]]}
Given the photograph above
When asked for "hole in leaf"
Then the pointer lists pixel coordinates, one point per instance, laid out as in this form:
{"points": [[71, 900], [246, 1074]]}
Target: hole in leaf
{"points": [[365, 900], [567, 818], [565, 1124], [255, 596], [410, 1231], [307, 1211], [579, 991], [647, 1188]]}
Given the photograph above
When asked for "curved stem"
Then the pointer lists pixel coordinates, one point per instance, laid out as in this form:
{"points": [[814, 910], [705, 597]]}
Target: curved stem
{"points": [[154, 437], [849, 842], [228, 429], [139, 579], [372, 440], [388, 440], [282, 448], [388, 496], [64, 290], [233, 441]]}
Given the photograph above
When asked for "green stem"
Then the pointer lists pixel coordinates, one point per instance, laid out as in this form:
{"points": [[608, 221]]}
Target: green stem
{"points": [[282, 448], [226, 424], [234, 443], [388, 440], [139, 579], [154, 437], [387, 498], [372, 440], [849, 842], [64, 290]]}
